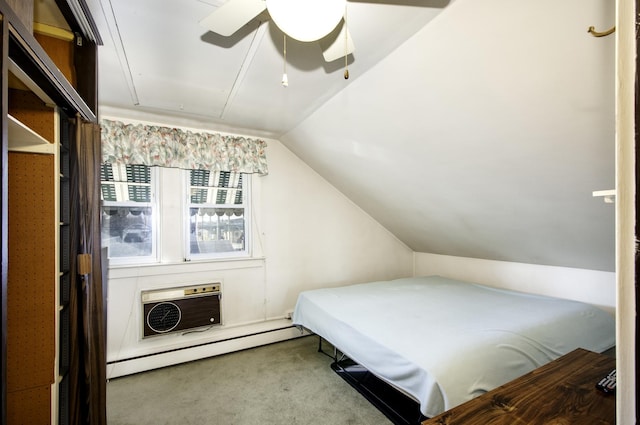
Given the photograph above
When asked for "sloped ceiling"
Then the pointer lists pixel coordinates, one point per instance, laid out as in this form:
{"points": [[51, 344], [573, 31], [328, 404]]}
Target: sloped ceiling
{"points": [[475, 128], [484, 135]]}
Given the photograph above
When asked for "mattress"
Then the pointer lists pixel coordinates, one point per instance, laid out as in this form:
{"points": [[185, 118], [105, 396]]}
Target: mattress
{"points": [[444, 341]]}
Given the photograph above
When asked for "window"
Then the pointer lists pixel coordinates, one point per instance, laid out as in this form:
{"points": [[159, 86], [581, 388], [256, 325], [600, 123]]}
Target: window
{"points": [[217, 212], [141, 204], [128, 211]]}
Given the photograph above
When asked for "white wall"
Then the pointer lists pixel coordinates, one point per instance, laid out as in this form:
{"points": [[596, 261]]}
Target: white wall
{"points": [[590, 286], [306, 235], [316, 237]]}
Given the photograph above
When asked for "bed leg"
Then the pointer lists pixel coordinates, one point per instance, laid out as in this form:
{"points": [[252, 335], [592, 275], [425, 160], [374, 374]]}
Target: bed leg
{"points": [[320, 350]]}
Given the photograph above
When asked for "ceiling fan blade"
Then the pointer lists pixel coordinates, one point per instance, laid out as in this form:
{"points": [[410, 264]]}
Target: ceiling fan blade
{"points": [[333, 48], [233, 15]]}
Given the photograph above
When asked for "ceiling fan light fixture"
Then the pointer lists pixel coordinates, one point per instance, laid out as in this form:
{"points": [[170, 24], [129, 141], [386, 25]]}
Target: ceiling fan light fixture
{"points": [[306, 20]]}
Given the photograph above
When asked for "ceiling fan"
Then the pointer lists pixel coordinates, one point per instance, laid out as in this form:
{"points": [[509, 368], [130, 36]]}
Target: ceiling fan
{"points": [[303, 20]]}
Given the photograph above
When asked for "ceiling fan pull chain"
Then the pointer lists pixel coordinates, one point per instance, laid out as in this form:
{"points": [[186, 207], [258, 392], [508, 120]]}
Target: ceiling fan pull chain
{"points": [[285, 79], [346, 45]]}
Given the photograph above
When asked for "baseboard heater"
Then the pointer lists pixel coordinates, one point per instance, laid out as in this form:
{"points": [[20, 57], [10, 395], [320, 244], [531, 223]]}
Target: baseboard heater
{"points": [[180, 309], [216, 342]]}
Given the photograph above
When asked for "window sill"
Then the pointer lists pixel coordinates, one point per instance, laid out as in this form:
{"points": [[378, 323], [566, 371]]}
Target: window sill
{"points": [[133, 270]]}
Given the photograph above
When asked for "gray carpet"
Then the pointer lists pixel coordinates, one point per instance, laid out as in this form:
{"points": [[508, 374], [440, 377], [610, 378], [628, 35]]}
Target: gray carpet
{"points": [[284, 383]]}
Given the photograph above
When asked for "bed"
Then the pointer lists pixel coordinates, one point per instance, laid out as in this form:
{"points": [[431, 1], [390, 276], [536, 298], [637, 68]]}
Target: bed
{"points": [[442, 341]]}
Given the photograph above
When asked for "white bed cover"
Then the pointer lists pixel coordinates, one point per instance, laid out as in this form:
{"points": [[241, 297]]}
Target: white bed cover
{"points": [[444, 341]]}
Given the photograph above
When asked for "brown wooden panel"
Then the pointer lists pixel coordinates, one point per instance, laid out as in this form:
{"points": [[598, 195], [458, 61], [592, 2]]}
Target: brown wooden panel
{"points": [[30, 110], [560, 392], [31, 406], [61, 53], [86, 66], [31, 276]]}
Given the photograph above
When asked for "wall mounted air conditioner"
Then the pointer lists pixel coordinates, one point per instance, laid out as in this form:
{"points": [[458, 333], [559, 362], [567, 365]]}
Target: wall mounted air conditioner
{"points": [[180, 309]]}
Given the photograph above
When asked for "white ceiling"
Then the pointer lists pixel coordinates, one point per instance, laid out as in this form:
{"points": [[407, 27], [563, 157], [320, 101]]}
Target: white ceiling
{"points": [[157, 58], [475, 128]]}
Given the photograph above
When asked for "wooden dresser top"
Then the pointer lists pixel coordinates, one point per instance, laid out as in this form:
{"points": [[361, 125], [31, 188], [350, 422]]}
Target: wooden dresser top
{"points": [[560, 392]]}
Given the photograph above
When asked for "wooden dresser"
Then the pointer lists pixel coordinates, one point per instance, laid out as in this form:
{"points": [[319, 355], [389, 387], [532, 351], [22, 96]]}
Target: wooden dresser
{"points": [[560, 392]]}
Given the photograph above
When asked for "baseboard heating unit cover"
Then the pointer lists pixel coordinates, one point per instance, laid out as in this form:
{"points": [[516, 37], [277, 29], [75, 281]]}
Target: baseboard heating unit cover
{"points": [[180, 309]]}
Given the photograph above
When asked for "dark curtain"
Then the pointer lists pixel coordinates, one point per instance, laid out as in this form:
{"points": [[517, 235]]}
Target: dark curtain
{"points": [[87, 373]]}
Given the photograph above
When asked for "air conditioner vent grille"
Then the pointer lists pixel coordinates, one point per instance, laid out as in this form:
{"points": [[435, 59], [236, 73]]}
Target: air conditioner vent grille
{"points": [[180, 309]]}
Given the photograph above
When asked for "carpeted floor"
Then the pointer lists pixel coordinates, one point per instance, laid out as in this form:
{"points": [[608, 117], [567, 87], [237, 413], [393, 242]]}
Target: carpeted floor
{"points": [[285, 383]]}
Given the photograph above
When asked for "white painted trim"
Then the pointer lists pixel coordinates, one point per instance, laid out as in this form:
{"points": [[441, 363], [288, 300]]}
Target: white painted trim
{"points": [[625, 211], [256, 42], [187, 354], [163, 269], [118, 45]]}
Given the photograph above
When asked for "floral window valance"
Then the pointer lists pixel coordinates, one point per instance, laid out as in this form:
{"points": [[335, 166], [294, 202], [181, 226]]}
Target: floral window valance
{"points": [[171, 147]]}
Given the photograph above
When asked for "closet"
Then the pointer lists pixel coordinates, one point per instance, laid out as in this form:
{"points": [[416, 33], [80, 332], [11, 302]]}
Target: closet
{"points": [[31, 296], [48, 86]]}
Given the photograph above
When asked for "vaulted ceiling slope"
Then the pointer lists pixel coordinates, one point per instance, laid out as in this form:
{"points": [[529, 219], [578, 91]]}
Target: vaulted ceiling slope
{"points": [[484, 135], [476, 128]]}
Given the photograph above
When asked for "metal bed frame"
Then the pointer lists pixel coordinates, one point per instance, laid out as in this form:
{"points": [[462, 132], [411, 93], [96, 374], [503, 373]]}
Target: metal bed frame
{"points": [[398, 407]]}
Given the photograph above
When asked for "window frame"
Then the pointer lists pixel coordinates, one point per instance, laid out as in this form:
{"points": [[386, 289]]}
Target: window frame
{"points": [[170, 203], [155, 221], [246, 206]]}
